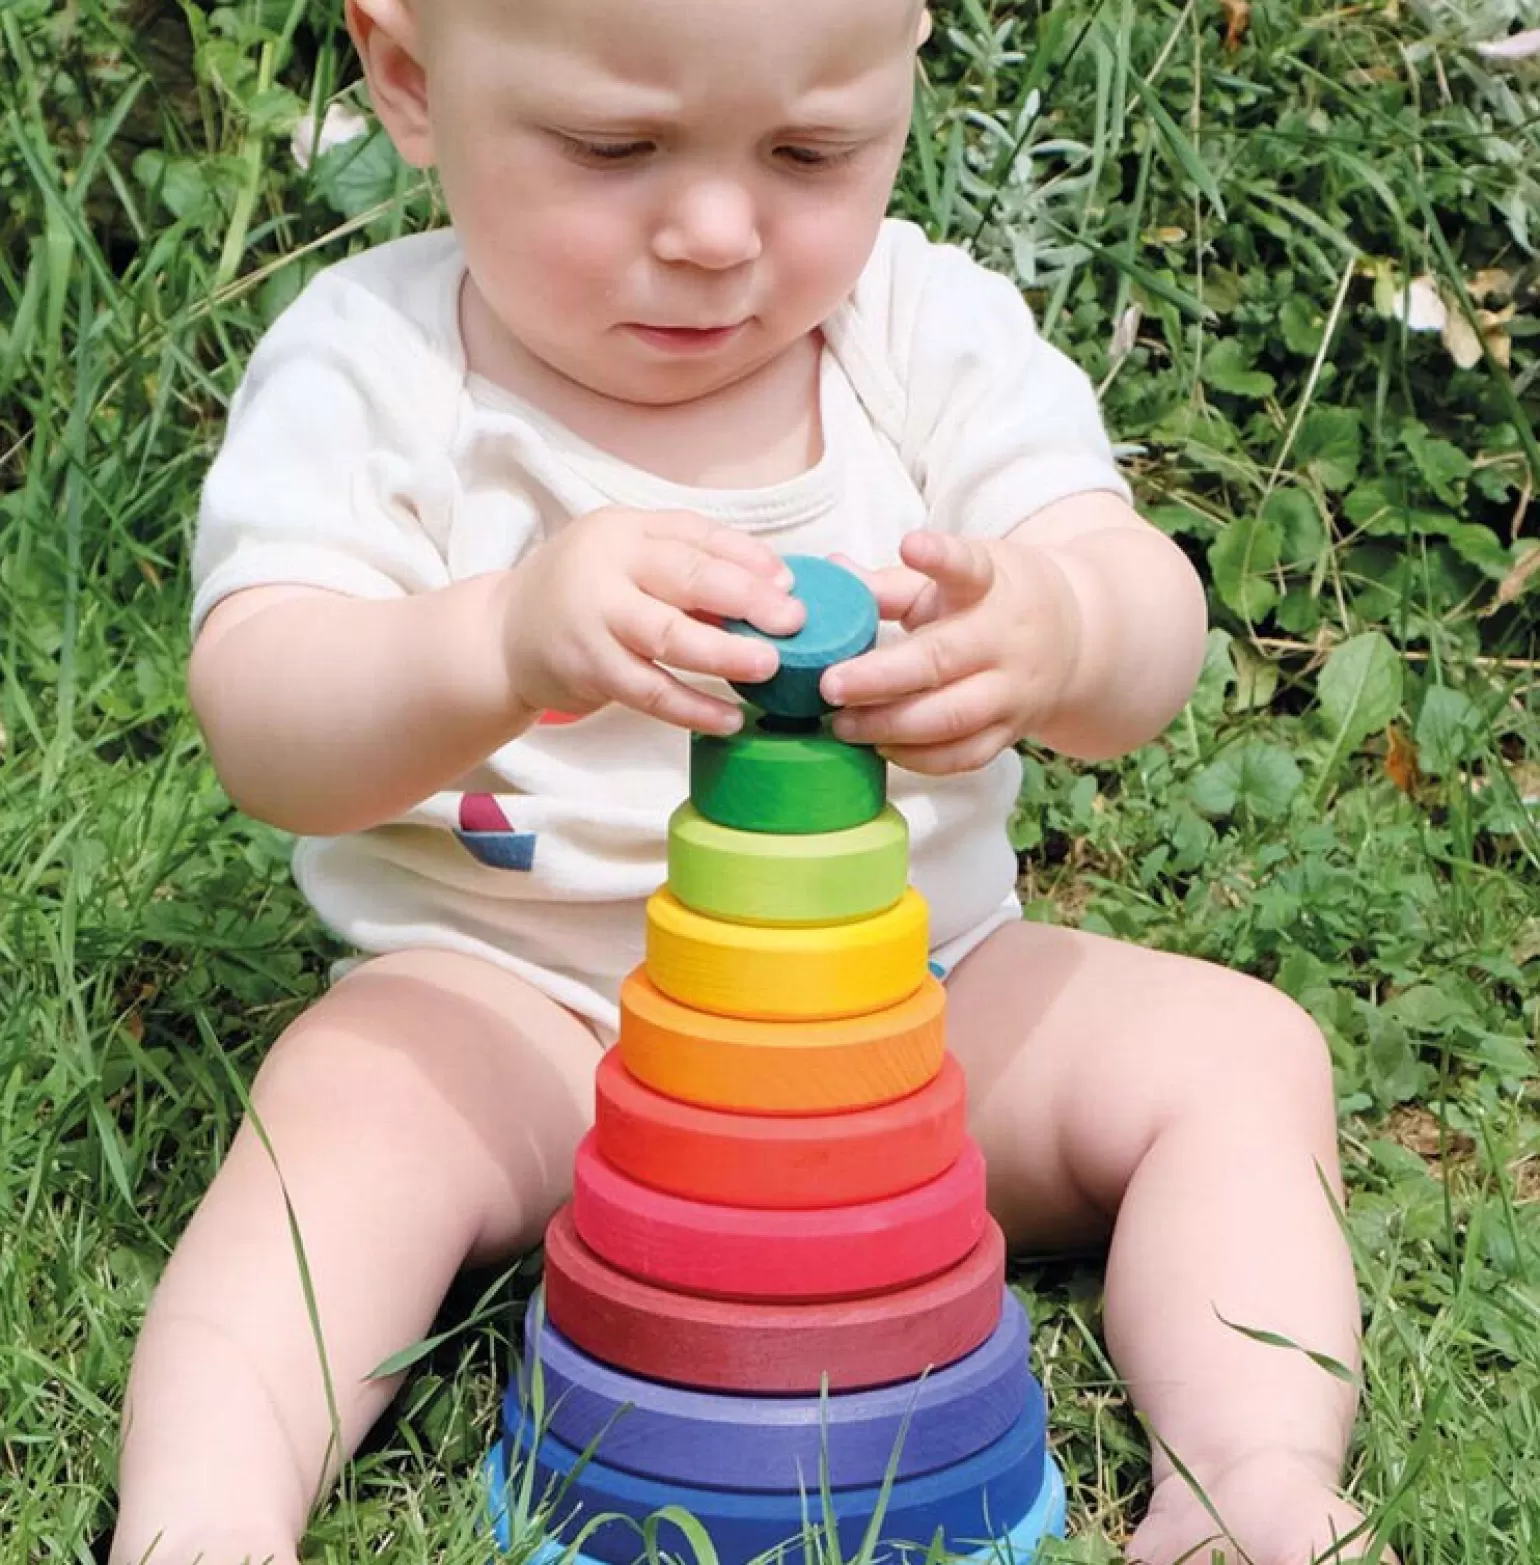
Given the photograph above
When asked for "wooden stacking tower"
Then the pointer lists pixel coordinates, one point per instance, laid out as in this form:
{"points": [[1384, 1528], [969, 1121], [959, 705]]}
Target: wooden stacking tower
{"points": [[777, 1274]]}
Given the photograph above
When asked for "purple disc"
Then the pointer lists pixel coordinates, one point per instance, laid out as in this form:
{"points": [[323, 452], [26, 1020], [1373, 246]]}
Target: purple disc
{"points": [[717, 1440]]}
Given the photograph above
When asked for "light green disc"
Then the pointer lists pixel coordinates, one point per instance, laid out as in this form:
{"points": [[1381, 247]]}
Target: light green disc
{"points": [[768, 779], [749, 877]]}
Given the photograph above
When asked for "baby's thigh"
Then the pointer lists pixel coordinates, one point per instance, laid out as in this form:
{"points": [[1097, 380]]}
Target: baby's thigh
{"points": [[452, 1074], [1081, 1052]]}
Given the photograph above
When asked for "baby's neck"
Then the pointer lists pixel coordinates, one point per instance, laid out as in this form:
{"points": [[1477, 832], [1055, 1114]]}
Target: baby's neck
{"points": [[761, 430]]}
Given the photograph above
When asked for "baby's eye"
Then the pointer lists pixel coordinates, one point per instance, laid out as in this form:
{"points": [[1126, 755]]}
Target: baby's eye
{"points": [[605, 151], [813, 157]]}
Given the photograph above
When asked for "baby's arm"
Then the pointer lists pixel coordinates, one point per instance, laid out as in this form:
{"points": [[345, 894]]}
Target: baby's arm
{"points": [[1140, 621], [326, 713]]}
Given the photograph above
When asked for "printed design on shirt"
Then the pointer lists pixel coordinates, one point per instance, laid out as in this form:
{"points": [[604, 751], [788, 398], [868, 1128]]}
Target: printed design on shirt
{"points": [[487, 835]]}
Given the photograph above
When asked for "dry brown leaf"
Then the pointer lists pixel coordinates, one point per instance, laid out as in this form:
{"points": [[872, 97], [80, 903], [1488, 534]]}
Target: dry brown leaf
{"points": [[1237, 22], [1415, 1128], [1516, 582], [1493, 283], [1465, 342], [1401, 760]]}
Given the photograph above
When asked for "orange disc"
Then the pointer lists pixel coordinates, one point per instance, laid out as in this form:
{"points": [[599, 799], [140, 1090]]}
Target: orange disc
{"points": [[779, 1160], [826, 1067]]}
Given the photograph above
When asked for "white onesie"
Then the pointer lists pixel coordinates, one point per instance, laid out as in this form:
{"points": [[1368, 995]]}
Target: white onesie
{"points": [[361, 456]]}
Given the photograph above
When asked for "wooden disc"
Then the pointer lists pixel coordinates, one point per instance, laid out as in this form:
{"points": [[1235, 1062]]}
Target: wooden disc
{"points": [[767, 779], [967, 1503], [826, 1067], [723, 1441], [734, 1252], [778, 1160], [714, 1344], [757, 877], [841, 623], [1046, 1519], [805, 973]]}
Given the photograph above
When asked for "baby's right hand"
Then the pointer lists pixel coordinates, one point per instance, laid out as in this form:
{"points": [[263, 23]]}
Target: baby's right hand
{"points": [[595, 614]]}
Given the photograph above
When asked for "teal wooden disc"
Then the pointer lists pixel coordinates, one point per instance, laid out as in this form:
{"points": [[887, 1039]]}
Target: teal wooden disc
{"points": [[768, 779], [756, 877], [841, 624]]}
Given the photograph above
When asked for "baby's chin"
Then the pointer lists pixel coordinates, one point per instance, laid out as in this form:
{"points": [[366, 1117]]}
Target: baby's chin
{"points": [[643, 378]]}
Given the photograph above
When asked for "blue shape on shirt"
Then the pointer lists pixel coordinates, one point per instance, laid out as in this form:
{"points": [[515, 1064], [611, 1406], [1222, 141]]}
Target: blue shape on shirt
{"points": [[500, 849]]}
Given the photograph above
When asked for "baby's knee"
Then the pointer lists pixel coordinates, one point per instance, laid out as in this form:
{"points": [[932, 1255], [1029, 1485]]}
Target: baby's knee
{"points": [[1254, 1049]]}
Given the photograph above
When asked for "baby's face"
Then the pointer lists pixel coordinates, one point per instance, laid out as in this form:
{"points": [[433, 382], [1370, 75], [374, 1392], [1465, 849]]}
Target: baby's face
{"points": [[656, 197]]}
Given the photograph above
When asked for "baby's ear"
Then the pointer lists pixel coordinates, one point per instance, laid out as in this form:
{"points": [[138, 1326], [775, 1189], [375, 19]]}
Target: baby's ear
{"points": [[927, 27], [389, 45]]}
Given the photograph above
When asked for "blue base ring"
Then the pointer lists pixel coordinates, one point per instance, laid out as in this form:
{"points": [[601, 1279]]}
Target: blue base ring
{"points": [[1046, 1519]]}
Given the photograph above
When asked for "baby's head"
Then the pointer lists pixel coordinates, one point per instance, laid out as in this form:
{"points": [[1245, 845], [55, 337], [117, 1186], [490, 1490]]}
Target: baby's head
{"points": [[618, 166]]}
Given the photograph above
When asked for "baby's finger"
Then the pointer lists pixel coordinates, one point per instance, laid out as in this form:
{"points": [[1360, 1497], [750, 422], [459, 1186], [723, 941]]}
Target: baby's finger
{"points": [[699, 581], [895, 587], [934, 656], [934, 717], [659, 633], [963, 567], [753, 554], [945, 760], [648, 689]]}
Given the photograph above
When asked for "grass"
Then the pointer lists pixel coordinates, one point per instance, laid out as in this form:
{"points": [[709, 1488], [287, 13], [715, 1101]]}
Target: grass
{"points": [[1224, 236]]}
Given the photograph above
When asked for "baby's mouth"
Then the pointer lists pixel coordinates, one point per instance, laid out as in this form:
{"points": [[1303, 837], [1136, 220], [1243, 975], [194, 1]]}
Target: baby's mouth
{"points": [[685, 339]]}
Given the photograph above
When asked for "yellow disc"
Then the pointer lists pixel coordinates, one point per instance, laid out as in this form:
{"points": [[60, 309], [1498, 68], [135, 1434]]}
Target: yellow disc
{"points": [[787, 974]]}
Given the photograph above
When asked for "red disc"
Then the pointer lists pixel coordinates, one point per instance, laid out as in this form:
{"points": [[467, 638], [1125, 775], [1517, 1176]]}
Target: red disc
{"points": [[734, 1252], [779, 1160], [765, 1348]]}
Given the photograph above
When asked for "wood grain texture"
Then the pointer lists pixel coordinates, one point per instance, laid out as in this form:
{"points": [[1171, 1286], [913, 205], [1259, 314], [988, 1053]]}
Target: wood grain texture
{"points": [[787, 974], [733, 1252], [841, 623], [761, 779], [689, 1340], [722, 1441], [778, 1160], [805, 1067], [758, 877], [967, 1503]]}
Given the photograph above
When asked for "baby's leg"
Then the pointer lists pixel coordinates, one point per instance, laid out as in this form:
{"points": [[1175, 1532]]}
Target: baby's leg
{"points": [[1189, 1111], [423, 1114]]}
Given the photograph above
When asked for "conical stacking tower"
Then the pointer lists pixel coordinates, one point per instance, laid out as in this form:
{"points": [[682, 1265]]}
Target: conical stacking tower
{"points": [[779, 1198]]}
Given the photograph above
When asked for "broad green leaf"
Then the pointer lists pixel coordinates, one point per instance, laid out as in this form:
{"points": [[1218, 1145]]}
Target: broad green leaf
{"points": [[1360, 687], [1425, 1008], [1450, 728], [1216, 677], [1301, 325], [1331, 446], [1249, 777], [359, 174], [1244, 559], [1481, 547], [1227, 367], [1297, 521], [1443, 467]]}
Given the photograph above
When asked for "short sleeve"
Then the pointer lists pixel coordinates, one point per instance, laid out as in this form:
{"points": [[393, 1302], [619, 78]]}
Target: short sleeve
{"points": [[997, 422], [333, 446]]}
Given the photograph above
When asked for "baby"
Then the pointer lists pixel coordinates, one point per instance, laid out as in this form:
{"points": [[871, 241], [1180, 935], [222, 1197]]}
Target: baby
{"points": [[476, 479]]}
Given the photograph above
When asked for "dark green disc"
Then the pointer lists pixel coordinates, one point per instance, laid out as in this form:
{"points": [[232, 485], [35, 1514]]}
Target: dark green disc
{"points": [[765, 778]]}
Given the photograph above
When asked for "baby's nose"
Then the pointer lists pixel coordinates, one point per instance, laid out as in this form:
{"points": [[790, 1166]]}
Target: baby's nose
{"points": [[712, 225]]}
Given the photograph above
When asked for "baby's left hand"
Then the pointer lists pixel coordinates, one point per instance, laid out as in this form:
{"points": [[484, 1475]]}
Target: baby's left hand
{"points": [[994, 632]]}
